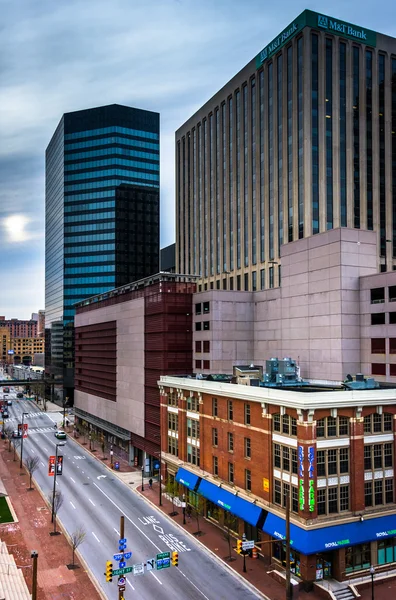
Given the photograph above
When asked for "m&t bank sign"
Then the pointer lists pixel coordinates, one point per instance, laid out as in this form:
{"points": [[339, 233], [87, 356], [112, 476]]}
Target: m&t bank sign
{"points": [[346, 29]]}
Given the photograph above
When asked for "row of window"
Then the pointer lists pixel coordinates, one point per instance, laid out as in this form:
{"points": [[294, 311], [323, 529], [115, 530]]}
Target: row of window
{"points": [[377, 295], [202, 346], [101, 237], [202, 308], [228, 282], [79, 294], [378, 456], [100, 279], [71, 198], [230, 410], [109, 152], [202, 364], [202, 326], [72, 260], [378, 345], [96, 248], [247, 444], [110, 141], [114, 182], [89, 216], [112, 129], [73, 207], [231, 473], [102, 226], [108, 162], [109, 173], [380, 318], [90, 269]]}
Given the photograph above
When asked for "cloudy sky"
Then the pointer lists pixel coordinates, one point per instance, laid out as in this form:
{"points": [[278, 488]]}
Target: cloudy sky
{"points": [[168, 56]]}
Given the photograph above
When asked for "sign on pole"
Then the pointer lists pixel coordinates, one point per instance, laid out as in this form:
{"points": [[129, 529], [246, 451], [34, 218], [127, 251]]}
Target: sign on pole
{"points": [[163, 560], [138, 569], [121, 581], [51, 465], [150, 564], [248, 545], [59, 465]]}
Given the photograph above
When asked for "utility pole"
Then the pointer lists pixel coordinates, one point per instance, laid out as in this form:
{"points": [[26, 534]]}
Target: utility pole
{"points": [[288, 587], [53, 491], [122, 535], [22, 433], [34, 556]]}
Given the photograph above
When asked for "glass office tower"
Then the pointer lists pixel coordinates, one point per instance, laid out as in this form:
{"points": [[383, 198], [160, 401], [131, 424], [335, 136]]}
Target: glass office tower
{"points": [[102, 217]]}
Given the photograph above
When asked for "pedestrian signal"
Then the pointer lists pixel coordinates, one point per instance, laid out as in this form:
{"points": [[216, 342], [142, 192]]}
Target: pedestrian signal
{"points": [[109, 571], [175, 559], [239, 546]]}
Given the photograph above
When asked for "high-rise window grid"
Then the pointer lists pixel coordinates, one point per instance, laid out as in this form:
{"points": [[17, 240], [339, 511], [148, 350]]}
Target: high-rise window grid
{"points": [[300, 129], [262, 188], [356, 136], [315, 130], [393, 152], [270, 109], [211, 196], [183, 195], [290, 143], [329, 133], [381, 126], [199, 181], [369, 137], [342, 125], [218, 145], [238, 176], [245, 177], [195, 211], [231, 183], [224, 170], [279, 67], [188, 168], [205, 198], [253, 227]]}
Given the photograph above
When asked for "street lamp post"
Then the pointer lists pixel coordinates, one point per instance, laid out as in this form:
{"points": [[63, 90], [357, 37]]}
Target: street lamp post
{"points": [[22, 432], [64, 410], [184, 509], [142, 478], [244, 553], [372, 571], [56, 469]]}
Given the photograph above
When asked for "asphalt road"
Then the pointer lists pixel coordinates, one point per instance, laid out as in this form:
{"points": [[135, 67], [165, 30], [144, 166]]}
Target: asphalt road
{"points": [[95, 498]]}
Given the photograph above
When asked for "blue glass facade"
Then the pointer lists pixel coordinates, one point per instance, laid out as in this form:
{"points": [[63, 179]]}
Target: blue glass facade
{"points": [[112, 231]]}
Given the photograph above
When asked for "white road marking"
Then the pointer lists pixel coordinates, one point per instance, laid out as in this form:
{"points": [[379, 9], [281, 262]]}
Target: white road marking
{"points": [[130, 584], [42, 463], [130, 520], [72, 505], [116, 530], [72, 479], [193, 584], [96, 537], [160, 582], [83, 472], [91, 502]]}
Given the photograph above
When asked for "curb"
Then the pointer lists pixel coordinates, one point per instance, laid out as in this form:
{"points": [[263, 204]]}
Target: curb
{"points": [[206, 549]]}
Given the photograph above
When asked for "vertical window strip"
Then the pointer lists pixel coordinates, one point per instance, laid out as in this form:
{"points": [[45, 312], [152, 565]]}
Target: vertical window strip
{"points": [[230, 183], [238, 174], [343, 168], [262, 190], [382, 193], [199, 221], [205, 198], [195, 212], [315, 131], [300, 127], [393, 156], [189, 252], [290, 144], [280, 150], [245, 178], [356, 150], [179, 166], [224, 163], [211, 197], [369, 137], [329, 134], [217, 125], [183, 195], [254, 199], [271, 160]]}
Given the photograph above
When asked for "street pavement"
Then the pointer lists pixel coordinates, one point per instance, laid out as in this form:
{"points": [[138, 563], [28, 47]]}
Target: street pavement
{"points": [[95, 498]]}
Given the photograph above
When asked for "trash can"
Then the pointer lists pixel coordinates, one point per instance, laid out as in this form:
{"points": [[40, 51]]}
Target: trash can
{"points": [[117, 466]]}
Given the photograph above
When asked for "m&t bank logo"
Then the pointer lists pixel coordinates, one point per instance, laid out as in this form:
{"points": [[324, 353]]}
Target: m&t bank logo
{"points": [[323, 21]]}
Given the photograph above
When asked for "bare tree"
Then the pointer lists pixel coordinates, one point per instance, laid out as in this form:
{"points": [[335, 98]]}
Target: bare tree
{"points": [[198, 509], [172, 489], [76, 539], [16, 443], [31, 464], [57, 499], [8, 433], [228, 521]]}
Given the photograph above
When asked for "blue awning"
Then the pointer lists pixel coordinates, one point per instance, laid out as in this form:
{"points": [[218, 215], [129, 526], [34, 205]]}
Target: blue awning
{"points": [[326, 539], [243, 509], [188, 479]]}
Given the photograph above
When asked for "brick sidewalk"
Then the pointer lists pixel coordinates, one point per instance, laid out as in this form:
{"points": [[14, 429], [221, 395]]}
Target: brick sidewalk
{"points": [[31, 532]]}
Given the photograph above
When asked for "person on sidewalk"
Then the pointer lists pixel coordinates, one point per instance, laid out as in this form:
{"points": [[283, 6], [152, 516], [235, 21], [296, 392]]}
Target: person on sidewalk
{"points": [[150, 483]]}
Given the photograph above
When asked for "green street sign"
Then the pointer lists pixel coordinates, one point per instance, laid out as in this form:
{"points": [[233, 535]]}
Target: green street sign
{"points": [[122, 571], [163, 560]]}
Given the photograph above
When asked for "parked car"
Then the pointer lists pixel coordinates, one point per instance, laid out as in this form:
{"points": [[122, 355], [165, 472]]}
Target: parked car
{"points": [[16, 434], [60, 435]]}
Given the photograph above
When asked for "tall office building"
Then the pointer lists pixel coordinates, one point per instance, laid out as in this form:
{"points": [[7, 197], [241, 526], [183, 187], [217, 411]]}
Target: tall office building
{"points": [[102, 217], [300, 141]]}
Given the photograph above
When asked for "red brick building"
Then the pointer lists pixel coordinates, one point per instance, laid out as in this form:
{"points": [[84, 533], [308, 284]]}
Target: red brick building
{"points": [[239, 450]]}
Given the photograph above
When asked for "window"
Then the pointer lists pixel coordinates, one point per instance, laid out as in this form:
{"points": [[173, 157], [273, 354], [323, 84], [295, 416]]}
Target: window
{"points": [[206, 364], [231, 472], [172, 399], [277, 456], [332, 427], [214, 407], [206, 307], [377, 295], [378, 318], [198, 364], [286, 458], [172, 446], [173, 422], [238, 283], [281, 491], [378, 492], [392, 346], [193, 455], [392, 370], [248, 448], [198, 308], [193, 404], [230, 410], [378, 369], [276, 422], [357, 558], [193, 429], [294, 460], [286, 425], [215, 466], [392, 293], [332, 500], [198, 325], [386, 551], [206, 346], [392, 318], [248, 480], [230, 437], [198, 346], [215, 438], [246, 282], [378, 346], [206, 325], [247, 414], [271, 277], [254, 281], [262, 279]]}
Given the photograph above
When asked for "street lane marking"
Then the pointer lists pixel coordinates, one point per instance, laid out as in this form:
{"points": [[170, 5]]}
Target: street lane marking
{"points": [[42, 463], [130, 520], [72, 505], [91, 502], [160, 582], [72, 479], [96, 537], [193, 584], [116, 530], [130, 583]]}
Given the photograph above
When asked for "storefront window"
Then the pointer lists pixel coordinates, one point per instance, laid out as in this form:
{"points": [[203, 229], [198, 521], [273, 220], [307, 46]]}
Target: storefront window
{"points": [[212, 511], [280, 554], [323, 567], [357, 558], [386, 551]]}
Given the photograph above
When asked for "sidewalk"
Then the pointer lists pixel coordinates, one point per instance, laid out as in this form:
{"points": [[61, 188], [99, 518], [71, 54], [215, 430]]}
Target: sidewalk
{"points": [[31, 532]]}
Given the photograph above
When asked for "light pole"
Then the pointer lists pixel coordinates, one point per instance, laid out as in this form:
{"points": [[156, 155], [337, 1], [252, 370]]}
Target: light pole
{"points": [[372, 571], [184, 509], [34, 556], [244, 553], [64, 410], [22, 432], [142, 478], [56, 469]]}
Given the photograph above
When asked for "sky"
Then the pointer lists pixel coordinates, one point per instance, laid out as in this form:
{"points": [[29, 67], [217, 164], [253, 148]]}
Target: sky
{"points": [[168, 56]]}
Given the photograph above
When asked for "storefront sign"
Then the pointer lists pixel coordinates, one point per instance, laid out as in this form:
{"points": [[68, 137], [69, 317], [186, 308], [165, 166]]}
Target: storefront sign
{"points": [[311, 472], [265, 484], [346, 29], [301, 492], [311, 498]]}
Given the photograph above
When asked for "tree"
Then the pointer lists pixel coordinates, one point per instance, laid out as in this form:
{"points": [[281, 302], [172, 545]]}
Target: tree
{"points": [[228, 522], [57, 499], [31, 464], [16, 442], [172, 489], [76, 539], [8, 433], [198, 509]]}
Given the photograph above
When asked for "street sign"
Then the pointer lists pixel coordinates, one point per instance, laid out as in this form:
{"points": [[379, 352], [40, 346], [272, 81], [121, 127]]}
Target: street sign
{"points": [[118, 556], [51, 465], [122, 571], [248, 545], [121, 588], [121, 581], [122, 547], [150, 564], [138, 569], [122, 564], [163, 560], [59, 466], [122, 541], [127, 555]]}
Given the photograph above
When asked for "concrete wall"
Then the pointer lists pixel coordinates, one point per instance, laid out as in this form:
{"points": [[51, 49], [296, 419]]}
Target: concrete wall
{"points": [[128, 410]]}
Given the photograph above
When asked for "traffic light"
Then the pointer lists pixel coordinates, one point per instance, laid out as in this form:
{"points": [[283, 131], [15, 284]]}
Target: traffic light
{"points": [[239, 546], [109, 571], [175, 559]]}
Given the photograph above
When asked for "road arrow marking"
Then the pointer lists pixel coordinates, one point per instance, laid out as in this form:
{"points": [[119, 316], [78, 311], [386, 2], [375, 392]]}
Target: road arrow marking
{"points": [[101, 476]]}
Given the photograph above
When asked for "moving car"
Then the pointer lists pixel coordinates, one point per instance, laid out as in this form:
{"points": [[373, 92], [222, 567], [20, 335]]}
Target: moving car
{"points": [[9, 402], [60, 435], [16, 434], [6, 390], [19, 395], [5, 414]]}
